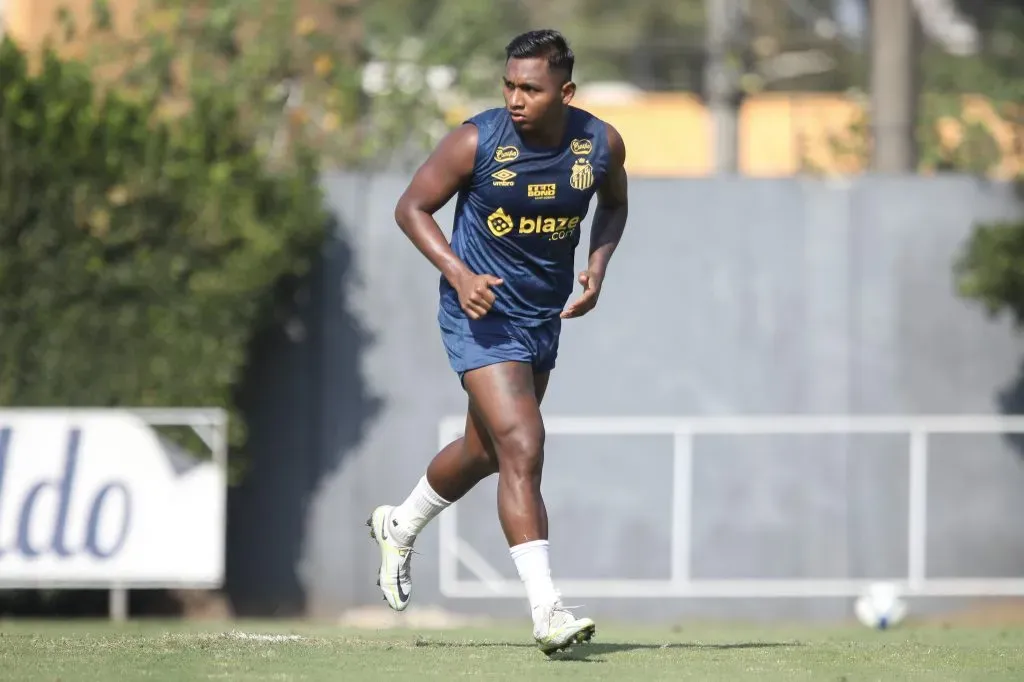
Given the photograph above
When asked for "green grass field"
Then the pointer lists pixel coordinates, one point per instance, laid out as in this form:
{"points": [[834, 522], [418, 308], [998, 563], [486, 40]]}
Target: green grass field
{"points": [[69, 651]]}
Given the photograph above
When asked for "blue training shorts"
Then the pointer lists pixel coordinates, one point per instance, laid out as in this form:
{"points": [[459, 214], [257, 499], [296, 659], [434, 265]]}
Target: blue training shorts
{"points": [[472, 344]]}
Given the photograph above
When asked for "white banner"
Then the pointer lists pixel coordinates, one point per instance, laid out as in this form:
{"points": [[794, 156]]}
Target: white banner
{"points": [[93, 498]]}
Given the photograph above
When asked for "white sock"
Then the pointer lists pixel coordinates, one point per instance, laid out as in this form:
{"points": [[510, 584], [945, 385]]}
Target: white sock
{"points": [[412, 516], [531, 560]]}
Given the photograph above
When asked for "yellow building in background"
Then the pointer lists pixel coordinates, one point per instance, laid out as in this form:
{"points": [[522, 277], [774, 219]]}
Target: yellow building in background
{"points": [[670, 134], [31, 21], [667, 134], [780, 134]]}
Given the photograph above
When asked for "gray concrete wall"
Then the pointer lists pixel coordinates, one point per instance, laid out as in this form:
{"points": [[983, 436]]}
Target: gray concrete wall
{"points": [[726, 297]]}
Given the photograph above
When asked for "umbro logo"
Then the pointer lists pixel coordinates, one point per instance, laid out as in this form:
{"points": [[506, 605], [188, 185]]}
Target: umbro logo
{"points": [[503, 178]]}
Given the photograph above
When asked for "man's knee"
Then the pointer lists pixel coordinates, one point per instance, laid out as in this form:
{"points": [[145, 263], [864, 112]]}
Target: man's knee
{"points": [[520, 449], [479, 458]]}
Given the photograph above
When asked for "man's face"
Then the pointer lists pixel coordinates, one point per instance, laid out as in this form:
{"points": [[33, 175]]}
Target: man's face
{"points": [[534, 94]]}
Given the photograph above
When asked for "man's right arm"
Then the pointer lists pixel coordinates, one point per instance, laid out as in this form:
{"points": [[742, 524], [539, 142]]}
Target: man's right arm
{"points": [[434, 184]]}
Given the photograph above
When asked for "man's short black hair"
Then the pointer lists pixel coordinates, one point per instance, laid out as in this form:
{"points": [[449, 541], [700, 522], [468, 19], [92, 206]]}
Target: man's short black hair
{"points": [[543, 43]]}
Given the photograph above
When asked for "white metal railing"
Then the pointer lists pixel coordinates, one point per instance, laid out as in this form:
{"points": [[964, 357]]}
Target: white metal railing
{"points": [[489, 583]]}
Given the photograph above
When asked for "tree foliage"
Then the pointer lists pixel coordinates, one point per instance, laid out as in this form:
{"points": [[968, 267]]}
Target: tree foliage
{"points": [[139, 253], [290, 70], [427, 63], [990, 268]]}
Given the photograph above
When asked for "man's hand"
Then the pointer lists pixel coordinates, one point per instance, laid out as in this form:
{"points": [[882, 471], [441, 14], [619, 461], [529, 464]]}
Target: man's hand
{"points": [[475, 295], [591, 282]]}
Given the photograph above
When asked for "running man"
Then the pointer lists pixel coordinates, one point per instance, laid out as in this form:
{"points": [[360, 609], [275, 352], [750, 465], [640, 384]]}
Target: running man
{"points": [[525, 175]]}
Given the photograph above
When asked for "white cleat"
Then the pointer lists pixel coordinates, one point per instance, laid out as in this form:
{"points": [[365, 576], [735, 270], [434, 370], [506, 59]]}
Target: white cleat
{"points": [[555, 628], [395, 579]]}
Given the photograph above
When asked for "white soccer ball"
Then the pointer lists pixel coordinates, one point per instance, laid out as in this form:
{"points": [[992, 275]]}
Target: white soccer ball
{"points": [[880, 606]]}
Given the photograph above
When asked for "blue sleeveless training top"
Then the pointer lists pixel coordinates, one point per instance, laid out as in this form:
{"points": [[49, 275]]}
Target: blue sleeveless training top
{"points": [[519, 217]]}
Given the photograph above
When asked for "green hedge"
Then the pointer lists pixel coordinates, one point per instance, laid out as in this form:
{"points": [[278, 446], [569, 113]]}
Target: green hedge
{"points": [[990, 269], [138, 255]]}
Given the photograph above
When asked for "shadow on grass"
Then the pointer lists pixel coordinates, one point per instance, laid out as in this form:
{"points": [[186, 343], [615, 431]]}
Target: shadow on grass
{"points": [[586, 652]]}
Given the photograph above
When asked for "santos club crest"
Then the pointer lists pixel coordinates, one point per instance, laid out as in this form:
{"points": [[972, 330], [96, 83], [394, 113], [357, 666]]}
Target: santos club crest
{"points": [[582, 175]]}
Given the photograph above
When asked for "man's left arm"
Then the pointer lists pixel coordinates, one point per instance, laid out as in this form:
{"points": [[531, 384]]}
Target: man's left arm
{"points": [[607, 227]]}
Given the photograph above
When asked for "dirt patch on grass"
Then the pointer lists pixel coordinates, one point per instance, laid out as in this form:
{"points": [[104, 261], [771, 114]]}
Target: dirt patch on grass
{"points": [[423, 618], [995, 612]]}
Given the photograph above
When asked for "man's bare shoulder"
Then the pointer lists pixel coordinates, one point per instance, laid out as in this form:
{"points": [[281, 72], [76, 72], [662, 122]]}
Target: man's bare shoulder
{"points": [[460, 141], [616, 145]]}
